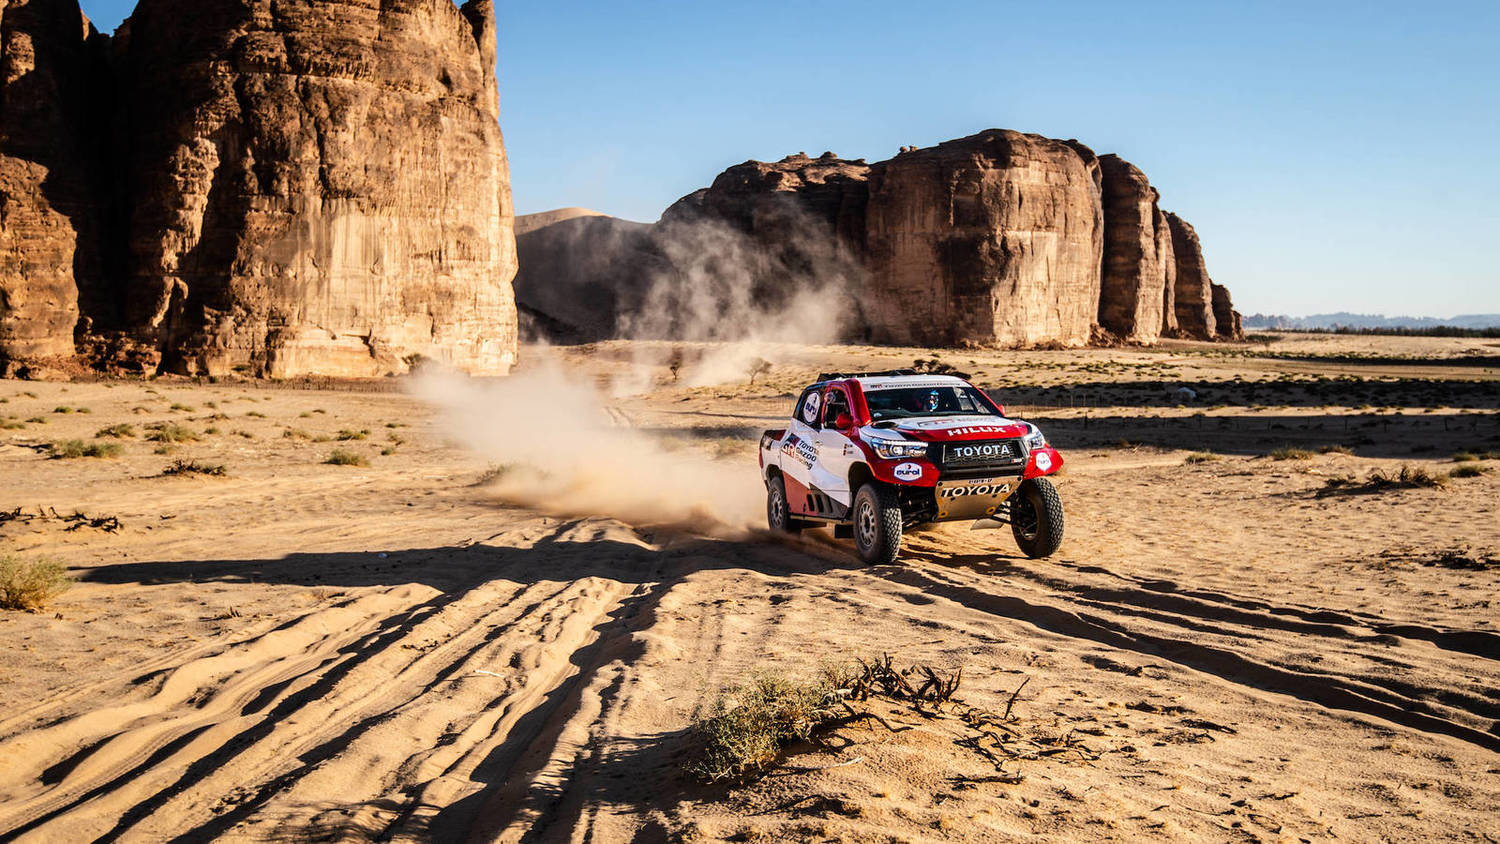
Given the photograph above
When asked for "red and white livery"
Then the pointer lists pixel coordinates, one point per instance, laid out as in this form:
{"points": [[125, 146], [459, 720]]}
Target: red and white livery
{"points": [[875, 453]]}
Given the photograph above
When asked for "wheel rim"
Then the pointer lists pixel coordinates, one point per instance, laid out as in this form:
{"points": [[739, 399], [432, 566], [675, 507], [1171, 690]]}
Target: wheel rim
{"points": [[866, 526], [1025, 517], [778, 508]]}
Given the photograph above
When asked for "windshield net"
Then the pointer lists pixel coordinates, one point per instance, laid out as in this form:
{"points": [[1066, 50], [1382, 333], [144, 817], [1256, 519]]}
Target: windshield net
{"points": [[926, 401]]}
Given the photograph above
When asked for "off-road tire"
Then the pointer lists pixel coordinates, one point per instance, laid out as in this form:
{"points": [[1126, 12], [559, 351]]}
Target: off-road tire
{"points": [[877, 524], [1036, 518], [778, 512]]}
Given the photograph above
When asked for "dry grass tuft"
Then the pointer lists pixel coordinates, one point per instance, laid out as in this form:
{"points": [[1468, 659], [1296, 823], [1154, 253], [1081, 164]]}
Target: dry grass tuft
{"points": [[748, 724], [340, 457], [1202, 457], [171, 432], [121, 431], [30, 586], [1336, 449], [1290, 453], [1470, 470], [68, 449]]}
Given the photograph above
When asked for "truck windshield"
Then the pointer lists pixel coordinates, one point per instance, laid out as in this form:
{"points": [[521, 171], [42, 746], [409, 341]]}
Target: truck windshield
{"points": [[927, 401]]}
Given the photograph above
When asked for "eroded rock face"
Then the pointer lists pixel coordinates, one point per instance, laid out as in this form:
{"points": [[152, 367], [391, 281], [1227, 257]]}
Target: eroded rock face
{"points": [[49, 55], [993, 239], [1226, 318], [582, 273], [317, 187], [1133, 278], [1167, 260], [1193, 292], [773, 200]]}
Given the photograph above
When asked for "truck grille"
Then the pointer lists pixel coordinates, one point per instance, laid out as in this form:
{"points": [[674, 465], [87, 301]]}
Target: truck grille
{"points": [[983, 456]]}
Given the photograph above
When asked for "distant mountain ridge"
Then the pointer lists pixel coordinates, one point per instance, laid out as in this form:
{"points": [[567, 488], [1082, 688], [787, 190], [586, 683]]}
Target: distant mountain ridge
{"points": [[1343, 319]]}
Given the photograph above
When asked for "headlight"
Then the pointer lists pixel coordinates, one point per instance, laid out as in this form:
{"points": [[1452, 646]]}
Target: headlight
{"points": [[896, 449], [1035, 440]]}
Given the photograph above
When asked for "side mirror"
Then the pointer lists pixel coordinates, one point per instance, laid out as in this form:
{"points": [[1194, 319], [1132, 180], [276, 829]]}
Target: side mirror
{"points": [[843, 422]]}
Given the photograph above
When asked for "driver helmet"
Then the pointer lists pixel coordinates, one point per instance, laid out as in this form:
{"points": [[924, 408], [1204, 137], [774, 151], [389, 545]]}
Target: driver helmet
{"points": [[934, 401]]}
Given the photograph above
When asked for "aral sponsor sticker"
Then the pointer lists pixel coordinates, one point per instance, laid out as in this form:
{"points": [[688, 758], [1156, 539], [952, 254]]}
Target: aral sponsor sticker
{"points": [[907, 472]]}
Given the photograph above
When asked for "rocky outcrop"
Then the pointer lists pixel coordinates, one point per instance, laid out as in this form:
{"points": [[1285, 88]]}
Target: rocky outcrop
{"points": [[49, 59], [1133, 290], [1193, 294], [1167, 260], [993, 239], [317, 186], [1226, 319], [775, 201], [581, 273]]}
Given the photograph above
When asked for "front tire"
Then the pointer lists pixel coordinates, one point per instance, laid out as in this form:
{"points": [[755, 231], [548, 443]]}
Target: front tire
{"points": [[778, 513], [877, 524], [1036, 518]]}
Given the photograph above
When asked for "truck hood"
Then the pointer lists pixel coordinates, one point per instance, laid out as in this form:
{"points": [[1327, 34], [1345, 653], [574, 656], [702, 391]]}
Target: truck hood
{"points": [[943, 429]]}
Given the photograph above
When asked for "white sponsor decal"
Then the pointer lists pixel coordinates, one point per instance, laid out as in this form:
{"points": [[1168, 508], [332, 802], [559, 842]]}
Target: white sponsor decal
{"points": [[810, 409], [979, 489], [1043, 461], [976, 429], [807, 452], [907, 472]]}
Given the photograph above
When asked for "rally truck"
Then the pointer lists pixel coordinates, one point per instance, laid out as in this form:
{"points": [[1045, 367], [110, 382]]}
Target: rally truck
{"points": [[876, 453]]}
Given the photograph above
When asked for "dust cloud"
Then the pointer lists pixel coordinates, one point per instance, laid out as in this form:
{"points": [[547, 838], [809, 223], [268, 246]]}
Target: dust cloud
{"points": [[558, 448]]}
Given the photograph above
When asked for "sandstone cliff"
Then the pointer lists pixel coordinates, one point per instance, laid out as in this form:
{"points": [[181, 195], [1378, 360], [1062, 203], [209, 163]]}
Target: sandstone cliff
{"points": [[992, 239], [1226, 318], [1133, 279], [49, 57], [317, 186], [1194, 302], [1167, 260]]}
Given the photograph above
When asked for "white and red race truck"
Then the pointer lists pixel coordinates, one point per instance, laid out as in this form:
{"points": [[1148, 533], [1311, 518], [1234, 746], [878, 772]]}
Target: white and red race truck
{"points": [[875, 453]]}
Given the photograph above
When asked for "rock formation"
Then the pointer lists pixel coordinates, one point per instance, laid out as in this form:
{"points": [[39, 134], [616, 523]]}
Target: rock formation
{"points": [[1133, 290], [49, 54], [317, 186], [581, 272], [279, 188], [992, 239], [1226, 318], [1193, 295], [1167, 260]]}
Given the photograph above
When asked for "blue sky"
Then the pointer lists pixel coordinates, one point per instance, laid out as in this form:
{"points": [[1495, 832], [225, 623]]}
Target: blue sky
{"points": [[1333, 155]]}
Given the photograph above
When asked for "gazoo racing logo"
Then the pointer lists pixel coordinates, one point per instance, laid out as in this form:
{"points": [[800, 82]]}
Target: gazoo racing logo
{"points": [[980, 452], [801, 450], [980, 489]]}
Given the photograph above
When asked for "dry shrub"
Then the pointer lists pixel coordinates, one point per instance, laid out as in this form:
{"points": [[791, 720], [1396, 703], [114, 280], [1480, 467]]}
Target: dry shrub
{"points": [[68, 449], [1290, 453], [1203, 457], [120, 431], [340, 457], [1336, 449], [171, 432], [747, 725], [30, 586], [1469, 470], [193, 467]]}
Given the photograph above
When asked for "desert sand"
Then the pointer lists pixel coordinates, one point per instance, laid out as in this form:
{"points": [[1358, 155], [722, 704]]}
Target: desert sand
{"points": [[502, 626]]}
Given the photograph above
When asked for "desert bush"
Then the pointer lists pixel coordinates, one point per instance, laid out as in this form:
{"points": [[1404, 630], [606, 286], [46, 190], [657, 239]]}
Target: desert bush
{"points": [[62, 409], [246, 434], [746, 726], [211, 431], [296, 434], [256, 414], [193, 467], [1469, 470], [1203, 457], [119, 432], [10, 423], [1417, 476], [30, 586], [1290, 453], [68, 449], [340, 457], [185, 408], [1465, 457], [171, 432], [388, 451], [346, 434], [37, 420], [1336, 449]]}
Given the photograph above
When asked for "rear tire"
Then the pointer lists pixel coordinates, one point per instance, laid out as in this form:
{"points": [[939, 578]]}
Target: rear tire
{"points": [[778, 513], [1036, 518], [877, 524]]}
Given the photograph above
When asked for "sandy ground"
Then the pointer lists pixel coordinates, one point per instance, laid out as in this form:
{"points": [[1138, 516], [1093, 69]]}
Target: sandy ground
{"points": [[302, 651]]}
